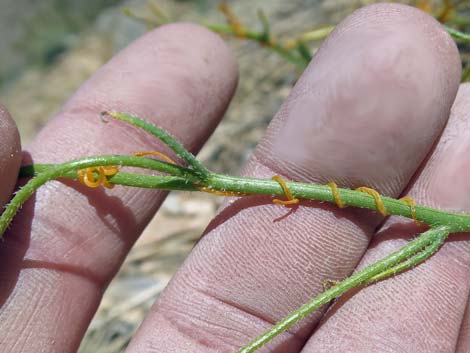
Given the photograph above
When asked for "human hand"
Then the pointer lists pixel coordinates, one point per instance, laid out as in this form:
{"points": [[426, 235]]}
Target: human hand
{"points": [[368, 111]]}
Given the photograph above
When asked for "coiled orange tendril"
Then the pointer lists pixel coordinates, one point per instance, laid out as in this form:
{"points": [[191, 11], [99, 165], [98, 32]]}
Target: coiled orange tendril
{"points": [[410, 202], [291, 200], [378, 199], [336, 197], [88, 176]]}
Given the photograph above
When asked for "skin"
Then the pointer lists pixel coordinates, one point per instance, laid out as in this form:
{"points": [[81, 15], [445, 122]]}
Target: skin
{"points": [[373, 108], [10, 155]]}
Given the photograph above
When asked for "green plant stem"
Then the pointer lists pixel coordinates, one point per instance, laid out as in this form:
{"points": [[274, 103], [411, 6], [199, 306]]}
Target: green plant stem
{"points": [[166, 138], [60, 170], [412, 261], [163, 182], [434, 235], [149, 22], [350, 197], [70, 168], [250, 186], [316, 34], [457, 34], [260, 37]]}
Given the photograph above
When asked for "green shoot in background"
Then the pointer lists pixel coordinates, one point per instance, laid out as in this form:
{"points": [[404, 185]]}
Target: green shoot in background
{"points": [[297, 49]]}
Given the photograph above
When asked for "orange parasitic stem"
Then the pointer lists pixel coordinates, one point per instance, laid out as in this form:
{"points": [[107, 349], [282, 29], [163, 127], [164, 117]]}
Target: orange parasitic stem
{"points": [[155, 153], [410, 202], [335, 192], [291, 200], [377, 198], [88, 176]]}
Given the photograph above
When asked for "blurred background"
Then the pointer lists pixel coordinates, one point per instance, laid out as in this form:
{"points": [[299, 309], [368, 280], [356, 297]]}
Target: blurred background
{"points": [[48, 48]]}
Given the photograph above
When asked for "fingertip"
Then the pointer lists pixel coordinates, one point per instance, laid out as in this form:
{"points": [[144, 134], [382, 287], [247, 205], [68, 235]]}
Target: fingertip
{"points": [[180, 76], [10, 155], [372, 102], [413, 26], [401, 44], [218, 54], [210, 54]]}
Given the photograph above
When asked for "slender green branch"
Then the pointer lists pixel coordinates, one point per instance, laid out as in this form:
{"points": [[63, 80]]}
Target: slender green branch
{"points": [[266, 33], [409, 263], [304, 51], [60, 170], [162, 182], [264, 37], [127, 161], [316, 34], [457, 34], [353, 281], [250, 186], [432, 217], [259, 37], [149, 22], [293, 50], [167, 139]]}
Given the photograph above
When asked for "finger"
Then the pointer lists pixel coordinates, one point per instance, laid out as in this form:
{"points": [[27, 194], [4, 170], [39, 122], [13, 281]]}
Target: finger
{"points": [[384, 68], [10, 155], [463, 342], [67, 244], [420, 310]]}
